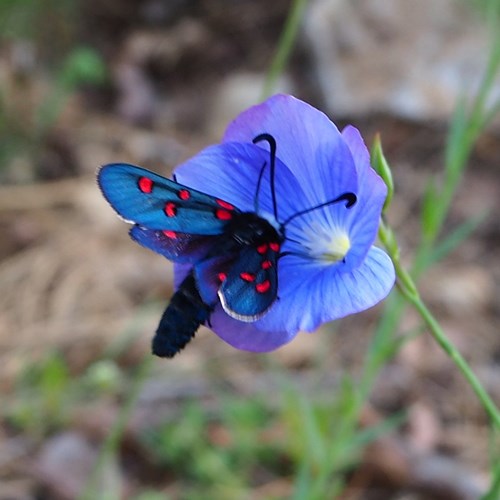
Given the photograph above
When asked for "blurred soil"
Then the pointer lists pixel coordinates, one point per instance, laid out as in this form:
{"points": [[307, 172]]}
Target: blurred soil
{"points": [[72, 280]]}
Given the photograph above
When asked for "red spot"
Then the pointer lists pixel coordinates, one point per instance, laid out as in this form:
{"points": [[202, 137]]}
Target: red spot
{"points": [[170, 234], [225, 204], [222, 276], [184, 194], [170, 209], [274, 247], [263, 287], [223, 214], [247, 277], [145, 184], [266, 264], [262, 248]]}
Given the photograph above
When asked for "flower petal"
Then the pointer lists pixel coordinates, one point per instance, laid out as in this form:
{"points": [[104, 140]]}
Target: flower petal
{"points": [[308, 143], [231, 171], [318, 293], [364, 217], [321, 164], [245, 335], [228, 172]]}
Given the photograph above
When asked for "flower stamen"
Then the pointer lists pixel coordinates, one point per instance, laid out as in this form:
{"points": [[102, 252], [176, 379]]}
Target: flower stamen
{"points": [[327, 244], [337, 248]]}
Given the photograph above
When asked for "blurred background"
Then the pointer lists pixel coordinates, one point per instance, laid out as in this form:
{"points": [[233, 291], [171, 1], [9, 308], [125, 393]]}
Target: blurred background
{"points": [[150, 82]]}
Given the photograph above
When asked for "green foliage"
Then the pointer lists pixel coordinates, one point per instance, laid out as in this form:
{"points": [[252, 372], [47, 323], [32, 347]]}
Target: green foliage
{"points": [[223, 451], [42, 396], [151, 495], [468, 122], [28, 20], [46, 393], [67, 65], [323, 442], [82, 66], [216, 454]]}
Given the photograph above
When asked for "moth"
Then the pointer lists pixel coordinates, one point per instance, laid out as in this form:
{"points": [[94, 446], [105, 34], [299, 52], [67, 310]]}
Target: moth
{"points": [[234, 254]]}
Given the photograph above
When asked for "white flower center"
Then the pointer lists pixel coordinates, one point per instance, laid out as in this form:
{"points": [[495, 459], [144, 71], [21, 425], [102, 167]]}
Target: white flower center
{"points": [[337, 247], [328, 244]]}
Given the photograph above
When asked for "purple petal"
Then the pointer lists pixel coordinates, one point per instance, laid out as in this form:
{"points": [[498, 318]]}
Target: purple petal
{"points": [[312, 295], [180, 273], [308, 143], [230, 171], [357, 146], [318, 164], [364, 217], [245, 335]]}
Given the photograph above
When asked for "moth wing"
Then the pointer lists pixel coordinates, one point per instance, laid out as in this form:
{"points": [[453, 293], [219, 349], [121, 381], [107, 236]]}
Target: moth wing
{"points": [[251, 285], [149, 200], [184, 248]]}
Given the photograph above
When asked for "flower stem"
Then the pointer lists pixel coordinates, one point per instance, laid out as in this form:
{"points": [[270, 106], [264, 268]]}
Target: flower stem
{"points": [[407, 287], [285, 45]]}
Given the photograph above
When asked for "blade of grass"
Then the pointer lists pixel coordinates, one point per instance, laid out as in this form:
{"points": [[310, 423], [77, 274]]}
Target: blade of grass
{"points": [[285, 46]]}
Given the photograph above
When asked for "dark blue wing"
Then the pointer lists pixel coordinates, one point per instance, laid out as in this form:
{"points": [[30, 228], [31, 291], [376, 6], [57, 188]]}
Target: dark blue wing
{"points": [[251, 284], [210, 273], [155, 202], [178, 247]]}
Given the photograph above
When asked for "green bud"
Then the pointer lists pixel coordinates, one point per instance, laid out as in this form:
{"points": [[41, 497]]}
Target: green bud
{"points": [[379, 163]]}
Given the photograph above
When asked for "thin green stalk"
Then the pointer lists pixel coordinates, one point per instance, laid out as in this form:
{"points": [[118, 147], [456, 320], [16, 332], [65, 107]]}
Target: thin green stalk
{"points": [[445, 343], [285, 45], [112, 441], [409, 290]]}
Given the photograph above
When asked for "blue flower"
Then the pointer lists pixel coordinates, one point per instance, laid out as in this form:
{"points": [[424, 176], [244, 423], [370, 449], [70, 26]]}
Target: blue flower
{"points": [[329, 268]]}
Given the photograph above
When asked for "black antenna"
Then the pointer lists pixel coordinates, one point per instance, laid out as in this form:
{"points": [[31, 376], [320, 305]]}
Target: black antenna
{"points": [[272, 145], [350, 198], [256, 197]]}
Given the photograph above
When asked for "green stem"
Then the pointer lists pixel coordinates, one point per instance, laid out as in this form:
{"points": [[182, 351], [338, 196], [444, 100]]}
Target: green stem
{"points": [[113, 438], [285, 46], [445, 343], [409, 290]]}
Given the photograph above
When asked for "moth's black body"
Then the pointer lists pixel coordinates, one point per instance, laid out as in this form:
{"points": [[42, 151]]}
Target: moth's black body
{"points": [[187, 310], [181, 319]]}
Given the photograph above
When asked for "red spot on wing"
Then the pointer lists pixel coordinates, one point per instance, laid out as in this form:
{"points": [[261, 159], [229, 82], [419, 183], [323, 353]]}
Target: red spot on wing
{"points": [[170, 209], [223, 214], [266, 264], [262, 248], [225, 204], [263, 287], [170, 234], [145, 184], [274, 247], [222, 276], [184, 194], [247, 277]]}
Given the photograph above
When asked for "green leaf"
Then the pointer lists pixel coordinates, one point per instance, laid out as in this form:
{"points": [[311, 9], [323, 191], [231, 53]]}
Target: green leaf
{"points": [[83, 66], [430, 215], [456, 237]]}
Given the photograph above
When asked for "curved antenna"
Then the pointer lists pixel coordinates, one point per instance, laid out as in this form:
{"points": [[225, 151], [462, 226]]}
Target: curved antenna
{"points": [[256, 197], [272, 145], [350, 198]]}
